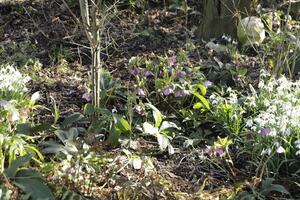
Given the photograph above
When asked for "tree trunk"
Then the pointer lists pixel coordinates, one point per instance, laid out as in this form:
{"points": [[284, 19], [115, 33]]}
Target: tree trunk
{"points": [[221, 17]]}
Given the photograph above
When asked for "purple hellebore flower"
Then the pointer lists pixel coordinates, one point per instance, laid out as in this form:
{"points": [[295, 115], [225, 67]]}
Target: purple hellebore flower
{"points": [[179, 93], [207, 84], [87, 97], [148, 74], [265, 132], [172, 61], [139, 110], [219, 151], [135, 71], [180, 74], [207, 151], [161, 74], [168, 90], [140, 92]]}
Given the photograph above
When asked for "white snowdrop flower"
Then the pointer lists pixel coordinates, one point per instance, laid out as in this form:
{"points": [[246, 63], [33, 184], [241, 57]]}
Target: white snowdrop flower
{"points": [[250, 100], [35, 96], [249, 123], [132, 59], [266, 102], [267, 151], [273, 132], [261, 84], [229, 90], [12, 80], [254, 128], [297, 144], [232, 98], [15, 116], [253, 91], [276, 144], [264, 73], [280, 150]]}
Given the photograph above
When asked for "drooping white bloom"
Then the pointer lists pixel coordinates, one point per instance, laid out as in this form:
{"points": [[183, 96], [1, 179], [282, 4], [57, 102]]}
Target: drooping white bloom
{"points": [[266, 152], [280, 150], [12, 80], [249, 123]]}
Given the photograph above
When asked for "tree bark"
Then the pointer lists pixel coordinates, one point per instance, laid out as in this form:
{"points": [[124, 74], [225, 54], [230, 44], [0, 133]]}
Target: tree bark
{"points": [[221, 17]]}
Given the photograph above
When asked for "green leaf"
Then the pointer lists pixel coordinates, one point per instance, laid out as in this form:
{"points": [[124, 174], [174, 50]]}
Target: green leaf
{"points": [[202, 99], [88, 109], [122, 124], [275, 188], [30, 184], [55, 110], [5, 193], [75, 117], [202, 89], [197, 105], [23, 173], [41, 127], [11, 171], [163, 141], [24, 128], [27, 129], [114, 135], [70, 134], [53, 147], [168, 125], [70, 195], [158, 117]]}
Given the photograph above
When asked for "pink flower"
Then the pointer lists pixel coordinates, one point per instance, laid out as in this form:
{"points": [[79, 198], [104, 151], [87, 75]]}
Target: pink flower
{"points": [[172, 61], [168, 90], [179, 93], [207, 84], [135, 71], [140, 92], [265, 132], [219, 152], [139, 110], [180, 74], [207, 151], [87, 97], [148, 74]]}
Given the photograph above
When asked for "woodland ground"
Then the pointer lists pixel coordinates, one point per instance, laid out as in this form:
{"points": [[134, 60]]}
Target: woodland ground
{"points": [[47, 33]]}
